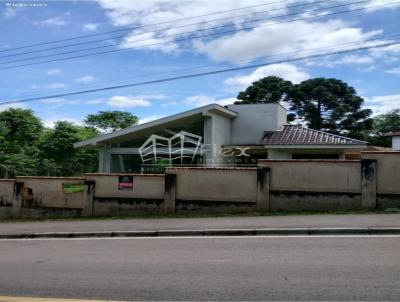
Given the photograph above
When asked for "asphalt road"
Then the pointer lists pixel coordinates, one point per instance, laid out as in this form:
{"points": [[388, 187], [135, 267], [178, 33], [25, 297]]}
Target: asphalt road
{"points": [[246, 268], [290, 221]]}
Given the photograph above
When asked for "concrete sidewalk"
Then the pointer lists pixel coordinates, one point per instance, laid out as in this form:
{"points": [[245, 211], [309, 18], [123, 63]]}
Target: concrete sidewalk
{"points": [[348, 221]]}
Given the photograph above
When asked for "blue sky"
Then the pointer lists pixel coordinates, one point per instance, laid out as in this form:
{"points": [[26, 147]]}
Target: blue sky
{"points": [[374, 73]]}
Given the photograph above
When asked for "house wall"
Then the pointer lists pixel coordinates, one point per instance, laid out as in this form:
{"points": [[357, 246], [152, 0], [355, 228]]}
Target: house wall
{"points": [[147, 194], [314, 184], [279, 154], [217, 133], [388, 177], [396, 143], [253, 120], [276, 153]]}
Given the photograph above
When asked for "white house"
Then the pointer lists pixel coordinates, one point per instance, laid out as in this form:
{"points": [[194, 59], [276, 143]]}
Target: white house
{"points": [[213, 135], [395, 140]]}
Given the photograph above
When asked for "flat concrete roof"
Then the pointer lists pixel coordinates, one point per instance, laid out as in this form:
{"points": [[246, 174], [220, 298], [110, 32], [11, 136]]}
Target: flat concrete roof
{"points": [[204, 110]]}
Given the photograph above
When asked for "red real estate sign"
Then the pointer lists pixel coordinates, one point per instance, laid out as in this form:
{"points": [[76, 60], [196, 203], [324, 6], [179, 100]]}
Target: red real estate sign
{"points": [[125, 183]]}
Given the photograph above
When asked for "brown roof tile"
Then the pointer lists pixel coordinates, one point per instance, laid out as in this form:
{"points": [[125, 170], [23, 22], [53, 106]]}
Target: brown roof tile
{"points": [[298, 135]]}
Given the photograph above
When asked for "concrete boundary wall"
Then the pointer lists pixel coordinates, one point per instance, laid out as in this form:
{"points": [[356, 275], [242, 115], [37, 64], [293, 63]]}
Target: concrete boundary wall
{"points": [[275, 185], [48, 192], [6, 192], [298, 185], [217, 189], [6, 197], [146, 195], [387, 177]]}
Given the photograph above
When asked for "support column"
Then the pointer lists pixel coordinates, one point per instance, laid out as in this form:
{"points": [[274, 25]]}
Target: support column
{"points": [[368, 183], [17, 200], [170, 193], [90, 187], [263, 186], [105, 159]]}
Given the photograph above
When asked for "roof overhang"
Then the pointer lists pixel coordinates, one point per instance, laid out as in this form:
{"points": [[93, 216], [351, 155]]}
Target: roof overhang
{"points": [[201, 111], [355, 146]]}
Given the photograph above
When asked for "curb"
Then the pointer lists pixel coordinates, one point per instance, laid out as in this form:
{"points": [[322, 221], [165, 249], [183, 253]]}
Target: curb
{"points": [[212, 232]]}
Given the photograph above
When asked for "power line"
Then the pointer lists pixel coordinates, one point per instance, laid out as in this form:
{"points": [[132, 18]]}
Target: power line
{"points": [[182, 34], [196, 74], [182, 39], [142, 26], [169, 28], [383, 39]]}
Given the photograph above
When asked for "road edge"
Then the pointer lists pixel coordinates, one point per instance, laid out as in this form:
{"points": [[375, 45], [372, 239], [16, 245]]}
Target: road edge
{"points": [[212, 232]]}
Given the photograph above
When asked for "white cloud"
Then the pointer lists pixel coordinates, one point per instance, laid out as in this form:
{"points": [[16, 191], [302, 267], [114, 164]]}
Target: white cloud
{"points": [[332, 61], [127, 102], [151, 118], [286, 71], [383, 103], [53, 71], [12, 105], [147, 13], [202, 100], [50, 123], [292, 38], [9, 13], [90, 26], [55, 86], [86, 79], [94, 101], [375, 5], [388, 53], [58, 102], [52, 22], [150, 41], [266, 39], [395, 71]]}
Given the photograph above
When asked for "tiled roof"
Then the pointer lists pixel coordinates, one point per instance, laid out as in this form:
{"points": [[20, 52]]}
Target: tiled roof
{"points": [[298, 135], [397, 133]]}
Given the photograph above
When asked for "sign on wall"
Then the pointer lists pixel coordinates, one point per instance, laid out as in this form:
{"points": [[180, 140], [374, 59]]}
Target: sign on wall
{"points": [[125, 183]]}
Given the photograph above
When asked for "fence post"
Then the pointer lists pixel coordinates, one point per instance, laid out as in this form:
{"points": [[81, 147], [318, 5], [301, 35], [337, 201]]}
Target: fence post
{"points": [[263, 180], [90, 188], [17, 200], [368, 183], [170, 193]]}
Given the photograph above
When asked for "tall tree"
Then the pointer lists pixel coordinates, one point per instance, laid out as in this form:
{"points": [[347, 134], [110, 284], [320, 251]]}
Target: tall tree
{"points": [[323, 104], [110, 121], [330, 105], [20, 133], [58, 156], [267, 90], [22, 129], [382, 124]]}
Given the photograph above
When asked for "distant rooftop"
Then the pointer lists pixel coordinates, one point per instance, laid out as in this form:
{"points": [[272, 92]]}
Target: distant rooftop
{"points": [[397, 133], [298, 135]]}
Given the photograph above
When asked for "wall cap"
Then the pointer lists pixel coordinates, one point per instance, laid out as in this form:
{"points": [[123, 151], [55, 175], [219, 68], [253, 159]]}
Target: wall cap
{"points": [[309, 160], [211, 168], [50, 177], [124, 174], [380, 152], [7, 180]]}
